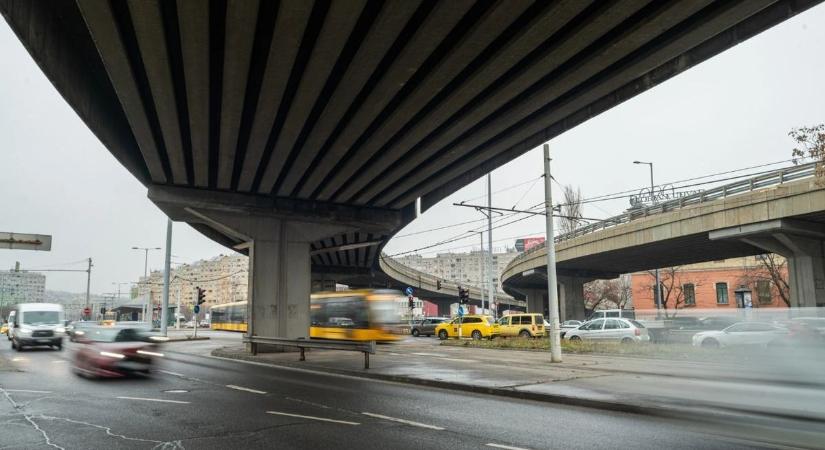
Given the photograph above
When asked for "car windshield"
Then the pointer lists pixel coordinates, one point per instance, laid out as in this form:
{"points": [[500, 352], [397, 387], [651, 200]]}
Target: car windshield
{"points": [[636, 324], [41, 318], [102, 334]]}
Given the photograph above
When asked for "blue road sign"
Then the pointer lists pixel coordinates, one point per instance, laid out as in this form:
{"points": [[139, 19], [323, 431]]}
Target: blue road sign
{"points": [[197, 309], [408, 291], [460, 311]]}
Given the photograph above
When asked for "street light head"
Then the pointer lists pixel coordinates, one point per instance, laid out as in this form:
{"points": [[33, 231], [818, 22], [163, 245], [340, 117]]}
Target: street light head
{"points": [[135, 248], [637, 162]]}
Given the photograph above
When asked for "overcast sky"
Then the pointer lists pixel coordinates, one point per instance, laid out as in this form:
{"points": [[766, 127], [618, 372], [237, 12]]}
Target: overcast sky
{"points": [[732, 111]]}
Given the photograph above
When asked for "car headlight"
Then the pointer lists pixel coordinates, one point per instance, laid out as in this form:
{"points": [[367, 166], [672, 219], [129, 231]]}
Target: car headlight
{"points": [[60, 330], [112, 355], [25, 331]]}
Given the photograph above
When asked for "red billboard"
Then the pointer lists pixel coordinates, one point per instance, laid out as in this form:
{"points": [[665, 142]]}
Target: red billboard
{"points": [[525, 244]]}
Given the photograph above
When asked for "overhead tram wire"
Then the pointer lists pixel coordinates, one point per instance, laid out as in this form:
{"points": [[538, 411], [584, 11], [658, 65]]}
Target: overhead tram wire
{"points": [[531, 180]]}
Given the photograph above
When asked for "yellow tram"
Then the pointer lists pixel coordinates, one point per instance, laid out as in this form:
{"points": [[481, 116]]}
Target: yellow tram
{"points": [[360, 315]]}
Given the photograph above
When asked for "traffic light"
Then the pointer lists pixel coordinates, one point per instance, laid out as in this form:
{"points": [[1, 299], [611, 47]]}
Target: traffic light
{"points": [[102, 310], [201, 295], [463, 295], [438, 284]]}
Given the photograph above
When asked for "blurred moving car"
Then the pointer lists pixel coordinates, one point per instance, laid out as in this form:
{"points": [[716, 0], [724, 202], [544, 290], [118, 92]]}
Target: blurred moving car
{"points": [[742, 333], [568, 325], [189, 324], [474, 326], [115, 352], [426, 326], [815, 323], [626, 331], [522, 325], [37, 324], [78, 328]]}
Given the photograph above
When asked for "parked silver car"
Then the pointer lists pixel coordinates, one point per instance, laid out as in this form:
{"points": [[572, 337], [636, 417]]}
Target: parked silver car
{"points": [[742, 333], [426, 326], [626, 331]]}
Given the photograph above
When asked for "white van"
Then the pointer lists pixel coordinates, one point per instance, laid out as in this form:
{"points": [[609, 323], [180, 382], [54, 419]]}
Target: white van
{"points": [[37, 324]]}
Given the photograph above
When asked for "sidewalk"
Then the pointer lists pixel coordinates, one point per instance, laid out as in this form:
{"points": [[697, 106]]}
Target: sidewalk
{"points": [[620, 383]]}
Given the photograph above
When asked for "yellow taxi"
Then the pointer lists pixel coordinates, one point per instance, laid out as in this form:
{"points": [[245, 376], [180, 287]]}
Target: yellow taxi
{"points": [[4, 328], [473, 325], [522, 325]]}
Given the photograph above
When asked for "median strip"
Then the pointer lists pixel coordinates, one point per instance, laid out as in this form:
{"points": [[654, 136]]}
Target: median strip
{"points": [[322, 419], [404, 421], [245, 389], [160, 400]]}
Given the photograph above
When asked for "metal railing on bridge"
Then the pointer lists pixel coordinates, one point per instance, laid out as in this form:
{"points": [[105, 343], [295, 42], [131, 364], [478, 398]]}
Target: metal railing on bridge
{"points": [[764, 180]]}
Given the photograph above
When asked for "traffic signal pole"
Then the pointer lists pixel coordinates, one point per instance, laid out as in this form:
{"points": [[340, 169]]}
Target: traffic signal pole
{"points": [[552, 284]]}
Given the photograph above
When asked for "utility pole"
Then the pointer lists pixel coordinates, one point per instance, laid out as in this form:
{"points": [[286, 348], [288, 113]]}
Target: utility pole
{"points": [[491, 298], [88, 280], [552, 289], [481, 269], [167, 266], [177, 311], [658, 292]]}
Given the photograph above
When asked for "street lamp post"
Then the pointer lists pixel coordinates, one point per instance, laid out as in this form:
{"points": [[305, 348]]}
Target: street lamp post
{"points": [[658, 291], [146, 272]]}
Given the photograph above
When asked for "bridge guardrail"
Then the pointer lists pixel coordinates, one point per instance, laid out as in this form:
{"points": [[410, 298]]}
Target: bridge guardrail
{"points": [[367, 348], [432, 280], [774, 178]]}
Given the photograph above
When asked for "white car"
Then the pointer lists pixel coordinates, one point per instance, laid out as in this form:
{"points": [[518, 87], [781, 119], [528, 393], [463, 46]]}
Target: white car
{"points": [[742, 333], [626, 331]]}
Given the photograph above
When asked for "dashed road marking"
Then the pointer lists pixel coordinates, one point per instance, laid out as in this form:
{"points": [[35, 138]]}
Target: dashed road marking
{"points": [[460, 360], [404, 421], [241, 388], [28, 391], [437, 355], [160, 400], [322, 419], [506, 447], [172, 373], [59, 361]]}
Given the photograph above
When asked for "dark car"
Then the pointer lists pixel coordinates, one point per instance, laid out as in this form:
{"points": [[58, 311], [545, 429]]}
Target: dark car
{"points": [[716, 322], [426, 326], [77, 329], [115, 352]]}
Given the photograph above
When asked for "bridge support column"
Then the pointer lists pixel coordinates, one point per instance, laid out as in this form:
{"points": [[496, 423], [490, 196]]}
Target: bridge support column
{"points": [[443, 309], [536, 301], [801, 243], [571, 298]]}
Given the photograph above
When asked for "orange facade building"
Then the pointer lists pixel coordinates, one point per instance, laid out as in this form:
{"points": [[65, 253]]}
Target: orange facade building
{"points": [[727, 284]]}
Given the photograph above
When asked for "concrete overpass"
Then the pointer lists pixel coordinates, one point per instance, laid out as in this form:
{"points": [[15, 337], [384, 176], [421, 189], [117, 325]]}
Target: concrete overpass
{"points": [[781, 212], [303, 133]]}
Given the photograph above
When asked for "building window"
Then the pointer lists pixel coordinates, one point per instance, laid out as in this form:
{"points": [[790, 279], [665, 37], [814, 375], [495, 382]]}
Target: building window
{"points": [[722, 293], [689, 292], [763, 291]]}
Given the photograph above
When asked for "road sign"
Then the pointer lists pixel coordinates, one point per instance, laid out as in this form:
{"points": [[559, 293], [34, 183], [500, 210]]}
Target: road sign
{"points": [[87, 311], [408, 291], [197, 309], [22, 241]]}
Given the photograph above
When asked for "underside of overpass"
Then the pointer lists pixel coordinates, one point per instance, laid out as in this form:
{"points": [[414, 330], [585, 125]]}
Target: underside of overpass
{"points": [[326, 121]]}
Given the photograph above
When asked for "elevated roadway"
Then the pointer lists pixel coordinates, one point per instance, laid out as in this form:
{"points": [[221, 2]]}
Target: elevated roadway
{"points": [[304, 132], [781, 212]]}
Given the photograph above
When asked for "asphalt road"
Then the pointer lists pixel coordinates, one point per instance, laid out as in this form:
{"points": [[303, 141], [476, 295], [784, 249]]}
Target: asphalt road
{"points": [[195, 401]]}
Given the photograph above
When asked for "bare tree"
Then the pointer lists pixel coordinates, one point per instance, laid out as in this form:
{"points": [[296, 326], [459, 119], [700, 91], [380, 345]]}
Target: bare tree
{"points": [[604, 294], [673, 289], [810, 143], [773, 269], [571, 210]]}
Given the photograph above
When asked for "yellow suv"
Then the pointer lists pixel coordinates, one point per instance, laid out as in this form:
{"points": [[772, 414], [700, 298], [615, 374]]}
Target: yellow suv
{"points": [[523, 325], [474, 326]]}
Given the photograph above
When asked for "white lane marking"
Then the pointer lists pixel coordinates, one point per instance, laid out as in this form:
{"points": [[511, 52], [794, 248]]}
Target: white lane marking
{"points": [[241, 388], [153, 400], [506, 447], [460, 360], [404, 421], [437, 355], [28, 390], [172, 373], [16, 359], [59, 361], [322, 419]]}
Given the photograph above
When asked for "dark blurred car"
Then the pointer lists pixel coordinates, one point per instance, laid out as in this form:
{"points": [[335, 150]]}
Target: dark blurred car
{"points": [[115, 352], [426, 326], [800, 334], [716, 322], [76, 329]]}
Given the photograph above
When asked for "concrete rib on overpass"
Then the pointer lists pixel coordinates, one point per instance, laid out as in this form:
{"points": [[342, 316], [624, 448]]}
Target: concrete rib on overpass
{"points": [[788, 219], [304, 132]]}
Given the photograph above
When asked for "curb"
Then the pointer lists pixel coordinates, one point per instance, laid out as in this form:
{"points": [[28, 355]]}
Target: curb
{"points": [[186, 339], [711, 413]]}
